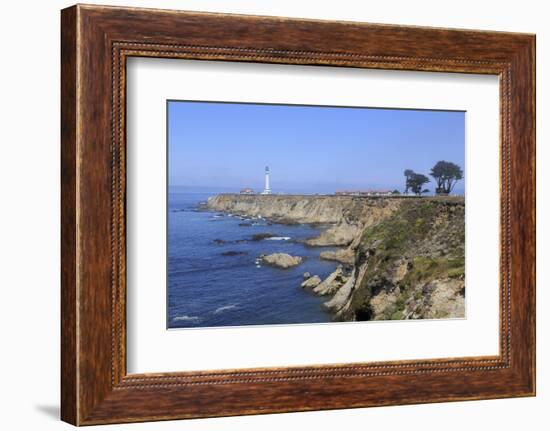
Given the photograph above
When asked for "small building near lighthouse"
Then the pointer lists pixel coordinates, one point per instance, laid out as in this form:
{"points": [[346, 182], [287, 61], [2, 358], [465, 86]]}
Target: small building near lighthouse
{"points": [[267, 188]]}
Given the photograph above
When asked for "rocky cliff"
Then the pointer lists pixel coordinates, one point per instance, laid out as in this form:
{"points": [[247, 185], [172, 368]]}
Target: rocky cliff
{"points": [[403, 257], [408, 266], [346, 215]]}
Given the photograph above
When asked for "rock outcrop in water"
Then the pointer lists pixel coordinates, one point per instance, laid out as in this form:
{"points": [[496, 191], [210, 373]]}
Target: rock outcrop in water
{"points": [[311, 282], [404, 256], [345, 255], [281, 260]]}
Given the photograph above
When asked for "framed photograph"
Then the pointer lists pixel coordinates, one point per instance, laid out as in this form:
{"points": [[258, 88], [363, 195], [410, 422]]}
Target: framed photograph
{"points": [[266, 215]]}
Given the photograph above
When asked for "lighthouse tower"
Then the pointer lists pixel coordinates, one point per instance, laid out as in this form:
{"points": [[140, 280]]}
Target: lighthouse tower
{"points": [[267, 189]]}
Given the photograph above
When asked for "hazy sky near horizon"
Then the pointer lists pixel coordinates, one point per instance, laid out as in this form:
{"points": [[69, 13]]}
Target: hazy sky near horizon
{"points": [[225, 146]]}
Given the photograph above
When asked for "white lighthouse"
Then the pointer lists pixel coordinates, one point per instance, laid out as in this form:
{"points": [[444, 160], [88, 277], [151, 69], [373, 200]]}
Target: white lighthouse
{"points": [[267, 189]]}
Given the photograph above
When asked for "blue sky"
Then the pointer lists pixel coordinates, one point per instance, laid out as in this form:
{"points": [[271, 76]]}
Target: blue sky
{"points": [[223, 147]]}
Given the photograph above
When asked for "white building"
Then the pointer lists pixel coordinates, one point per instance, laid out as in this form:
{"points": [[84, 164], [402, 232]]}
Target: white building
{"points": [[267, 189]]}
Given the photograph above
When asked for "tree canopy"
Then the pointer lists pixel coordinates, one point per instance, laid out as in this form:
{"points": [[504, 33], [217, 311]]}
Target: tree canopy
{"points": [[446, 175], [414, 182]]}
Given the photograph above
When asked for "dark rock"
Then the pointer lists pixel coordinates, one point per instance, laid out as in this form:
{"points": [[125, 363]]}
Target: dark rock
{"points": [[233, 253], [260, 236]]}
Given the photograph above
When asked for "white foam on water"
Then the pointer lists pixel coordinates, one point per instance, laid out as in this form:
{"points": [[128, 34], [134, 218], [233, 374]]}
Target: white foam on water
{"points": [[185, 318], [225, 308]]}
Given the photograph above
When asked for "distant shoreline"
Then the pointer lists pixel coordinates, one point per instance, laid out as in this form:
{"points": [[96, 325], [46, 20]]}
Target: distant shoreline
{"points": [[184, 189]]}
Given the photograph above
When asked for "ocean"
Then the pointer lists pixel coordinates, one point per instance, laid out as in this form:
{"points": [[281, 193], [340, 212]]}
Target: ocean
{"points": [[214, 278]]}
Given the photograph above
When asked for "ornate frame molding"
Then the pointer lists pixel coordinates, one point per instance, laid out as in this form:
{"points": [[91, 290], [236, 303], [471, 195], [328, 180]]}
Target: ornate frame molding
{"points": [[96, 41]]}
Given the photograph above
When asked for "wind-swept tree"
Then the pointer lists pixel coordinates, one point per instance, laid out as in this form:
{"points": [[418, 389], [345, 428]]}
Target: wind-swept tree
{"points": [[446, 175], [414, 182], [408, 173]]}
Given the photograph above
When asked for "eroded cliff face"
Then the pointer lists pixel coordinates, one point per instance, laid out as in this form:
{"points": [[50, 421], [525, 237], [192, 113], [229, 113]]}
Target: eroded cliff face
{"points": [[403, 257], [408, 266], [347, 215]]}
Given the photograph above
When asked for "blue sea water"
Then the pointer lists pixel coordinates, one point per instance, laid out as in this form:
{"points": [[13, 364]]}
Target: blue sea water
{"points": [[207, 288]]}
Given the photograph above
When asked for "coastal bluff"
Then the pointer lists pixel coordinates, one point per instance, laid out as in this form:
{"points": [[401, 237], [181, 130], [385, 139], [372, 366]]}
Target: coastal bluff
{"points": [[345, 216], [290, 208], [402, 257]]}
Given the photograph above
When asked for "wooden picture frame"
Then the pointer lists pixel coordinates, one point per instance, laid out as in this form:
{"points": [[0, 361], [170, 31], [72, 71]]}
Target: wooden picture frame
{"points": [[95, 43]]}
